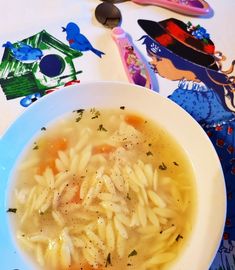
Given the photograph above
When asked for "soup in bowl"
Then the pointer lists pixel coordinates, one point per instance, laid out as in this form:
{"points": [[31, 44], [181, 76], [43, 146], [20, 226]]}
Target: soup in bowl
{"points": [[110, 176]]}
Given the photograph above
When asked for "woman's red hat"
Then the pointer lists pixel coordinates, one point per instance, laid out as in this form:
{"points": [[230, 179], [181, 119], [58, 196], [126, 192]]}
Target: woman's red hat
{"points": [[175, 36]]}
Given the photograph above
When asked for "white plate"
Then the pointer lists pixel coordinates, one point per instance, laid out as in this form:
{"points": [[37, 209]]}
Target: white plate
{"points": [[208, 229]]}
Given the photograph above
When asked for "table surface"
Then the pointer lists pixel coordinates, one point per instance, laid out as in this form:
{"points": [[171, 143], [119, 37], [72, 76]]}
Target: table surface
{"points": [[22, 19]]}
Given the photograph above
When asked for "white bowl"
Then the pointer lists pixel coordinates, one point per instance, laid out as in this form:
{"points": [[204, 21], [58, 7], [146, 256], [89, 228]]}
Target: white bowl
{"points": [[210, 217]]}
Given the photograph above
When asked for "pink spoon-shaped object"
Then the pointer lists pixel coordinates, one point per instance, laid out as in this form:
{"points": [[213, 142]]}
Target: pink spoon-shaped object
{"points": [[187, 7], [190, 7], [135, 68]]}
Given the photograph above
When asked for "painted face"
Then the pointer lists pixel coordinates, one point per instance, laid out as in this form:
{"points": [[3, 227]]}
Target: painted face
{"points": [[166, 69]]}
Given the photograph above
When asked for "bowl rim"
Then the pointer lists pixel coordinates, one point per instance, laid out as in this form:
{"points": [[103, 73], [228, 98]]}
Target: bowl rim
{"points": [[9, 135]]}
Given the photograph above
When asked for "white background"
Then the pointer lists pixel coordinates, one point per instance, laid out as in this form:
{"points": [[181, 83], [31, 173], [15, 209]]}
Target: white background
{"points": [[21, 19]]}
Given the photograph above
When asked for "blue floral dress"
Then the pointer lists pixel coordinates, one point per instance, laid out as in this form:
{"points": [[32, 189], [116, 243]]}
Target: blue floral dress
{"points": [[205, 106]]}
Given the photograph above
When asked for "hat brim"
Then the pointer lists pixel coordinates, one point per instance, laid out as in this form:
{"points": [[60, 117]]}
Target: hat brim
{"points": [[155, 30]]}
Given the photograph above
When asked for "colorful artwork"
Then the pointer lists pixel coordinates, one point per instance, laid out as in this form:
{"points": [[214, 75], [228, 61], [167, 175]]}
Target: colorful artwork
{"points": [[31, 67], [183, 53], [135, 67], [78, 41], [24, 52]]}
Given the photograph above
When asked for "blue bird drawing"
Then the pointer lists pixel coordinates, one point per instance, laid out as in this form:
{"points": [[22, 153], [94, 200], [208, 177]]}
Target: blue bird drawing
{"points": [[77, 41], [24, 52]]}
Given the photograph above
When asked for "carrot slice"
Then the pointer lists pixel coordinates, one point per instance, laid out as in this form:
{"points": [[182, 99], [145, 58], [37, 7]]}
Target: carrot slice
{"points": [[76, 198], [49, 153], [56, 145], [84, 267], [134, 120], [103, 149], [89, 267], [46, 163]]}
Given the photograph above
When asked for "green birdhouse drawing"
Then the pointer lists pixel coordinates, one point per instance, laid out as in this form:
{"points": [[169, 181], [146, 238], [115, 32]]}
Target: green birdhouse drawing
{"points": [[54, 68]]}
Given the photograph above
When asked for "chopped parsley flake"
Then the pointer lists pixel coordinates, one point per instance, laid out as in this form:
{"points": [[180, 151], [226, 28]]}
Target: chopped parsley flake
{"points": [[108, 260], [78, 119], [92, 110], [179, 237], [11, 210], [79, 113], [162, 167], [96, 116], [149, 153], [133, 253], [101, 128], [35, 147], [95, 113]]}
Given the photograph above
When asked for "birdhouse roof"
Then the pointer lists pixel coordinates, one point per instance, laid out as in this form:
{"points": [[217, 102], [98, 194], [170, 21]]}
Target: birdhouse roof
{"points": [[11, 67]]}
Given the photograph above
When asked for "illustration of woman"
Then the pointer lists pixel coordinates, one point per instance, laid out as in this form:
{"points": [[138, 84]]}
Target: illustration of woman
{"points": [[181, 52]]}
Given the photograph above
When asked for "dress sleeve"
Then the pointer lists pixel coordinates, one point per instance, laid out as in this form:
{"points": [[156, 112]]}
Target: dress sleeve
{"points": [[204, 106], [194, 102]]}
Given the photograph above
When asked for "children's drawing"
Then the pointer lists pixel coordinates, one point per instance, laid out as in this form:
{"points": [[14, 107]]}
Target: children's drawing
{"points": [[24, 52], [78, 41], [28, 100], [185, 53], [31, 67]]}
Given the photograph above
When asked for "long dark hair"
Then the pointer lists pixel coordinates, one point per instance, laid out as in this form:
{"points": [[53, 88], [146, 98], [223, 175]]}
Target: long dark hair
{"points": [[220, 82]]}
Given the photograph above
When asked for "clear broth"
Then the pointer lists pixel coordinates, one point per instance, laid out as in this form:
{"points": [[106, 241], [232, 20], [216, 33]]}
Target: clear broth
{"points": [[122, 225]]}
